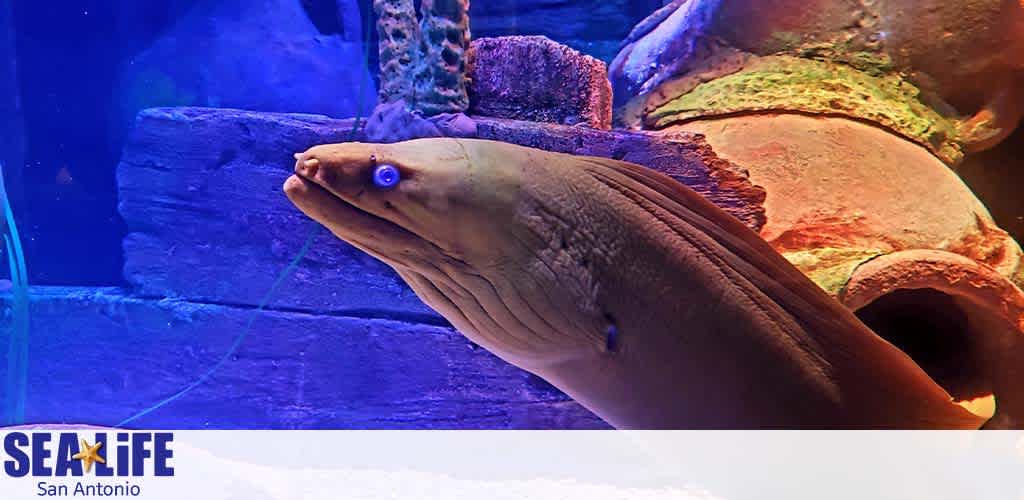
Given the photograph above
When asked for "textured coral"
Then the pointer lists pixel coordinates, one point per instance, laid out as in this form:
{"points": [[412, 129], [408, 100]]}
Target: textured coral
{"points": [[831, 268], [424, 64], [399, 34], [440, 84]]}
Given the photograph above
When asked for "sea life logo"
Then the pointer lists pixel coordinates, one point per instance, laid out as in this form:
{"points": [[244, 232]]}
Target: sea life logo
{"points": [[112, 460]]}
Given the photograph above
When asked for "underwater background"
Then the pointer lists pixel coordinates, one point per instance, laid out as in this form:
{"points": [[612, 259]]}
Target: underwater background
{"points": [[78, 72], [143, 289], [143, 146]]}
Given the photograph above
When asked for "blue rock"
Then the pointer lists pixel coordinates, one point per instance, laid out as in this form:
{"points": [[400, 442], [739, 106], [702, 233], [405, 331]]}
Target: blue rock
{"points": [[200, 191], [99, 356], [656, 49]]}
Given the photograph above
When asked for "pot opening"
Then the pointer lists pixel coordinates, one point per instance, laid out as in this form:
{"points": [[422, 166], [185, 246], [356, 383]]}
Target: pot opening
{"points": [[935, 330]]}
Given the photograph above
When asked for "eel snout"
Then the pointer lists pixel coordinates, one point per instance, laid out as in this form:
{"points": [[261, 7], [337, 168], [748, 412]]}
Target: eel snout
{"points": [[343, 169], [330, 184]]}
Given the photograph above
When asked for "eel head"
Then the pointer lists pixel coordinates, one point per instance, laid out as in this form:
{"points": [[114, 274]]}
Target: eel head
{"points": [[445, 218]]}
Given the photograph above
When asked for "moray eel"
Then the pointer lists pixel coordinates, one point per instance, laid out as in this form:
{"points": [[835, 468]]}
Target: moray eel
{"points": [[633, 294]]}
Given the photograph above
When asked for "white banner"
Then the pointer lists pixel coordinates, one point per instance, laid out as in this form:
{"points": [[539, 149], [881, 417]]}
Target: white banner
{"points": [[455, 465]]}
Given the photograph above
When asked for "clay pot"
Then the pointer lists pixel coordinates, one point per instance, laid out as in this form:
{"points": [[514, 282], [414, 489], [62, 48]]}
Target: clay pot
{"points": [[850, 115], [890, 231], [966, 57]]}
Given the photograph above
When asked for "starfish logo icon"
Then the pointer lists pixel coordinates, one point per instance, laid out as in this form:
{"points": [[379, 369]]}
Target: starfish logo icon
{"points": [[89, 454]]}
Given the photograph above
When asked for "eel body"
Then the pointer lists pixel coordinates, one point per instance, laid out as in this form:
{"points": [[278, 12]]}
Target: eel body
{"points": [[633, 294]]}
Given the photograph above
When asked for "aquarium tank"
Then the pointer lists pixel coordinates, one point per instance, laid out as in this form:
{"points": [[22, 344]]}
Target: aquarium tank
{"points": [[515, 214]]}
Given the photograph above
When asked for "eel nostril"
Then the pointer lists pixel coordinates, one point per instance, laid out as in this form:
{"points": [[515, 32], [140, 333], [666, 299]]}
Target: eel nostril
{"points": [[308, 167]]}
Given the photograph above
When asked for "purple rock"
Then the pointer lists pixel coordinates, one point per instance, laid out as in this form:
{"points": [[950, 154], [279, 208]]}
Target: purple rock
{"points": [[394, 122], [532, 78]]}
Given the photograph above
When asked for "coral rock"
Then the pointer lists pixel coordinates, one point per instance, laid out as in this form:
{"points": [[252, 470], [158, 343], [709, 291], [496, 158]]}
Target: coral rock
{"points": [[399, 35], [535, 79], [424, 64], [440, 84]]}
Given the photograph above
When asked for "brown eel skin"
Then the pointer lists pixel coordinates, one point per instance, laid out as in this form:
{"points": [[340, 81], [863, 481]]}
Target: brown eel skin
{"points": [[622, 287]]}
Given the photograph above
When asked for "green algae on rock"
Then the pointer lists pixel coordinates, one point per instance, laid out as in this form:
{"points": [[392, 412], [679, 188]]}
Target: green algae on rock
{"points": [[786, 84], [831, 268]]}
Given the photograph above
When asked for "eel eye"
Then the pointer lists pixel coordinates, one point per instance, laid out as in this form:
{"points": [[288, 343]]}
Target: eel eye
{"points": [[386, 176]]}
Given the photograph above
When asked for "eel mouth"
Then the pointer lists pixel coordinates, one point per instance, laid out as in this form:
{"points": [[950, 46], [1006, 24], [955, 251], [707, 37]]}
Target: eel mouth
{"points": [[375, 235]]}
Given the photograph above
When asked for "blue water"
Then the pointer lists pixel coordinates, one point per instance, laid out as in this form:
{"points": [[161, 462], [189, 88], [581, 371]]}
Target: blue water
{"points": [[73, 77], [72, 58]]}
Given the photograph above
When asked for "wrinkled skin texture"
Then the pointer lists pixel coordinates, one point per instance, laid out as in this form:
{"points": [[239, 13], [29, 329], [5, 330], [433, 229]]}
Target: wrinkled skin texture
{"points": [[537, 256]]}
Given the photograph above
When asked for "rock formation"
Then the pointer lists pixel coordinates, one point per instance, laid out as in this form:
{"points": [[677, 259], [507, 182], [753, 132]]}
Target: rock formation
{"points": [[425, 64], [533, 78], [399, 35], [957, 87]]}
